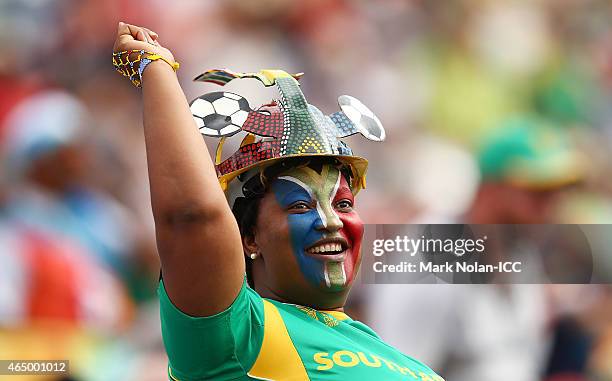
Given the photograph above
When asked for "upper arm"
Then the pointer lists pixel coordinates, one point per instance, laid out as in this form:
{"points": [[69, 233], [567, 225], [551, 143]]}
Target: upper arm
{"points": [[202, 261]]}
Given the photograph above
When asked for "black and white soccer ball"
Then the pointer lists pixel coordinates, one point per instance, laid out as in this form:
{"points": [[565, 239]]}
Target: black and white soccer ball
{"points": [[362, 117], [220, 113]]}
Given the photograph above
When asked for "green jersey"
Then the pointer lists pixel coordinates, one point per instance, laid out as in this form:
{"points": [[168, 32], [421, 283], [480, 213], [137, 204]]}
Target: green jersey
{"points": [[262, 339]]}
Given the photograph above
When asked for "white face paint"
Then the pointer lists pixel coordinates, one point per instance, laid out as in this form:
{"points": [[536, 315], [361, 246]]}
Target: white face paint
{"points": [[329, 209]]}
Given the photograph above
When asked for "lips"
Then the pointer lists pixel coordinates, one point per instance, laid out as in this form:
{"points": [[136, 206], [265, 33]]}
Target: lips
{"points": [[329, 248]]}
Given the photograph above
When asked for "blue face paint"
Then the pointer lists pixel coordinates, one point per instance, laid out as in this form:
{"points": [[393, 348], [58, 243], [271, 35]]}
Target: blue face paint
{"points": [[302, 227]]}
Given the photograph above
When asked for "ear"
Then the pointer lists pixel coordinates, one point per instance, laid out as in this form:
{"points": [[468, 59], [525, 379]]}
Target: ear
{"points": [[249, 245]]}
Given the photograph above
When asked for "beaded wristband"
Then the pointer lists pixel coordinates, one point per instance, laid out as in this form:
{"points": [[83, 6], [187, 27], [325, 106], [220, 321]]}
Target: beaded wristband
{"points": [[134, 67]]}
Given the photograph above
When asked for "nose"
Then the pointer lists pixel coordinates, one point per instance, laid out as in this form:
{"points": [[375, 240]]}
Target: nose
{"points": [[328, 219]]}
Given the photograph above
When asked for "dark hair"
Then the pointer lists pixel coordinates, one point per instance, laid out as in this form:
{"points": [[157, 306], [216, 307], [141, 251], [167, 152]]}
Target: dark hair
{"points": [[246, 209]]}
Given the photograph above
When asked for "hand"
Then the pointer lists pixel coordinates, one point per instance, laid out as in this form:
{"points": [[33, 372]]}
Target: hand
{"points": [[132, 37]]}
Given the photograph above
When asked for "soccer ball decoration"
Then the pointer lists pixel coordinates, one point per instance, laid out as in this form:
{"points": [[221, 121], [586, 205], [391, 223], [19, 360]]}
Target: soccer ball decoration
{"points": [[362, 117], [220, 113]]}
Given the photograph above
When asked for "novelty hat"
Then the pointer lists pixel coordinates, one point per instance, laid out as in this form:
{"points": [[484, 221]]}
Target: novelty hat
{"points": [[288, 127]]}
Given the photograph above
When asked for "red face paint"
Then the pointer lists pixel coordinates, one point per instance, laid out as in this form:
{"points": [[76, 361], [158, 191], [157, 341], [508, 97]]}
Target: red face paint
{"points": [[352, 230]]}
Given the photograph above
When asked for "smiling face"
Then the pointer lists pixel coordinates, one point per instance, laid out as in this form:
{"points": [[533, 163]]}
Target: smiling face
{"points": [[309, 236]]}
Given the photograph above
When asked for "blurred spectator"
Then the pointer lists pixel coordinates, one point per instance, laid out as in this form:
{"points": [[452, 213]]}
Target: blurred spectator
{"points": [[524, 165], [49, 280], [47, 163]]}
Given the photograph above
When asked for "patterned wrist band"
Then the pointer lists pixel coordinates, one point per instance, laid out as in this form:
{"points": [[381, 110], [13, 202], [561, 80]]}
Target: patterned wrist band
{"points": [[132, 63]]}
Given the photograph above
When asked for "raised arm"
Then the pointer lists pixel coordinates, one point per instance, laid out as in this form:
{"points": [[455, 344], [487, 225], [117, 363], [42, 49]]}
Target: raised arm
{"points": [[197, 236]]}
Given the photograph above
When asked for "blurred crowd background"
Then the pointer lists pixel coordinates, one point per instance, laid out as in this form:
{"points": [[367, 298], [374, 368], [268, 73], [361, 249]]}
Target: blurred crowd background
{"points": [[495, 111]]}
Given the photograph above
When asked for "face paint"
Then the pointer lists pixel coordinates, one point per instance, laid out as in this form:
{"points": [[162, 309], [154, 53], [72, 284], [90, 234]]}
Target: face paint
{"points": [[320, 218]]}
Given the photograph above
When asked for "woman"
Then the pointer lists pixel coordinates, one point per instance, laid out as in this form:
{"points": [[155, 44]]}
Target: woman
{"points": [[292, 192]]}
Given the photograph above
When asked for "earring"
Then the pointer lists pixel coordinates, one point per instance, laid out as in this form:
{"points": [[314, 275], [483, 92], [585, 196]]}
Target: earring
{"points": [[253, 255]]}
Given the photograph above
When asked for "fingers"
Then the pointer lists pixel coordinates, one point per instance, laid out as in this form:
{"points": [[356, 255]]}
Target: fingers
{"points": [[136, 32], [152, 34], [129, 31], [135, 37], [151, 37], [122, 28], [125, 32], [141, 35]]}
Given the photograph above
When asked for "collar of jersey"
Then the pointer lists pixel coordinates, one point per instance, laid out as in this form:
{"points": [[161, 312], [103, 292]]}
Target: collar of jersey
{"points": [[336, 314]]}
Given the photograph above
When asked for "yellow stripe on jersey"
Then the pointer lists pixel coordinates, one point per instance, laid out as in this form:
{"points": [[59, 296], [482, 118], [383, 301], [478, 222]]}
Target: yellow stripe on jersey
{"points": [[172, 378], [337, 314], [278, 359]]}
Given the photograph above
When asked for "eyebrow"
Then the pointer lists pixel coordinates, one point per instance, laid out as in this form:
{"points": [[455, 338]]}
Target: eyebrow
{"points": [[298, 182], [344, 192], [302, 188]]}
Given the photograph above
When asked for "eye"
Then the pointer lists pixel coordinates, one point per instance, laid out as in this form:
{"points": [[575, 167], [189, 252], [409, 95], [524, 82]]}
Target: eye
{"points": [[299, 206], [345, 204]]}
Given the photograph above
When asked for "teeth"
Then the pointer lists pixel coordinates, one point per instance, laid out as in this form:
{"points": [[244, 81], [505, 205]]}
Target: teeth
{"points": [[325, 248]]}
